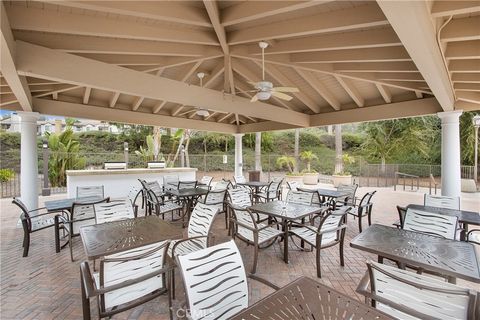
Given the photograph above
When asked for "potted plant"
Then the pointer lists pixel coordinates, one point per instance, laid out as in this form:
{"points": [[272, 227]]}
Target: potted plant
{"points": [[309, 176], [289, 163], [343, 177]]}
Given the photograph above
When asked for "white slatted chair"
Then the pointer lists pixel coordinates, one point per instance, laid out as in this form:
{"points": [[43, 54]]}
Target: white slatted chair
{"points": [[293, 185], [363, 209], [272, 192], [242, 199], [217, 199], [473, 236], [133, 195], [442, 202], [406, 295], [155, 187], [170, 182], [300, 197], [431, 223], [206, 182], [330, 232], [246, 228], [187, 185], [114, 210], [81, 214], [215, 282], [350, 200], [126, 280], [222, 185], [160, 206], [90, 192]]}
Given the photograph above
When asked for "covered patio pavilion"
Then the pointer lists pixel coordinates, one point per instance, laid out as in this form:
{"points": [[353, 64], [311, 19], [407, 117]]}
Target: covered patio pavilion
{"points": [[137, 63]]}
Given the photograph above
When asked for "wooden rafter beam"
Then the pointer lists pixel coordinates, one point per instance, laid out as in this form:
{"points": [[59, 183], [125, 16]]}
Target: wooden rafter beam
{"points": [[161, 11], [419, 38], [137, 102], [353, 55], [473, 97], [347, 19], [402, 66], [324, 42], [69, 109], [462, 29], [465, 78], [385, 93], [467, 86], [450, 8], [463, 50], [113, 99], [255, 10], [213, 75], [50, 64], [86, 95], [464, 66], [18, 84], [351, 90], [318, 86], [33, 19]]}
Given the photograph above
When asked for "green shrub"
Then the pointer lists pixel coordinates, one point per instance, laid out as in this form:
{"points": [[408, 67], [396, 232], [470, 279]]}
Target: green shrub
{"points": [[6, 175]]}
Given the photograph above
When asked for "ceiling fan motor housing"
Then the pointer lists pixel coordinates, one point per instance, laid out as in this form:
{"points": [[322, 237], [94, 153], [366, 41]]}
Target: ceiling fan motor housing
{"points": [[264, 86]]}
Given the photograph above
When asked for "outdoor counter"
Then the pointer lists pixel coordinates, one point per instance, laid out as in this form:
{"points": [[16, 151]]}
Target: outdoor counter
{"points": [[117, 182]]}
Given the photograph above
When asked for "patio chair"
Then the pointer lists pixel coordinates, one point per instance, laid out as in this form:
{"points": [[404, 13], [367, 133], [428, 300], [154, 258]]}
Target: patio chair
{"points": [[133, 195], [239, 179], [240, 198], [406, 295], [364, 208], [223, 185], [300, 197], [90, 192], [33, 221], [206, 181], [114, 210], [292, 185], [170, 182], [442, 202], [81, 214], [349, 200], [272, 192], [187, 185], [198, 234], [330, 232], [246, 228], [435, 224], [473, 236], [160, 206], [401, 215], [126, 280], [215, 282], [217, 198]]}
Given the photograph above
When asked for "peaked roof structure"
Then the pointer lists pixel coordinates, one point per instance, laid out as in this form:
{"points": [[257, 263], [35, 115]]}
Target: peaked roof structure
{"points": [[136, 61]]}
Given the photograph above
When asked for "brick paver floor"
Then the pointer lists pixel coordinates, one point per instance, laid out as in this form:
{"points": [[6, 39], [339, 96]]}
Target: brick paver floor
{"points": [[45, 285]]}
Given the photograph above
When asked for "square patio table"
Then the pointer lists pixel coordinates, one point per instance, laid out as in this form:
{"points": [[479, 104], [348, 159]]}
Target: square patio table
{"points": [[326, 193], [287, 213], [189, 195], [305, 298], [254, 185], [457, 259], [66, 204], [104, 239]]}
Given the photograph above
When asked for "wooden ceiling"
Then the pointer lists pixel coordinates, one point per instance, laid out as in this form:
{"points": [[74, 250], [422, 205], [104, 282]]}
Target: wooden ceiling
{"points": [[137, 62]]}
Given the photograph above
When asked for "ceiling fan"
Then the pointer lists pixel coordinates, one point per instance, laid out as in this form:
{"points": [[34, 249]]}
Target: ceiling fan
{"points": [[201, 111], [265, 89]]}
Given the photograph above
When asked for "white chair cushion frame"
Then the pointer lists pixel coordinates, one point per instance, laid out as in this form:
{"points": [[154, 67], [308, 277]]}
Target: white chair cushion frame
{"points": [[90, 191], [431, 223], [442, 202], [406, 295], [114, 210]]}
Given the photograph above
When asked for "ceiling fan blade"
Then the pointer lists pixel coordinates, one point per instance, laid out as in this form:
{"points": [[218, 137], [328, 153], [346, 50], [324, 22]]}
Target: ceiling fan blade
{"points": [[254, 98], [248, 91], [282, 96], [252, 83], [285, 89]]}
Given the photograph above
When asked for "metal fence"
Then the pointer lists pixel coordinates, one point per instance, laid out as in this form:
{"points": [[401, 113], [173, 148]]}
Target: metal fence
{"points": [[365, 174]]}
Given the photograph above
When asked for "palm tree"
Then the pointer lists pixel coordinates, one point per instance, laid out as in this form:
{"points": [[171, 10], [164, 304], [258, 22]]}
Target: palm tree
{"points": [[308, 156], [286, 161]]}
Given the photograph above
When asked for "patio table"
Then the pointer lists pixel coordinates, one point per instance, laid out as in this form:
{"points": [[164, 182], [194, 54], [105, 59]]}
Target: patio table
{"points": [[464, 217], [305, 298], [189, 195], [108, 238], [254, 186], [448, 257], [326, 193], [287, 213], [66, 204]]}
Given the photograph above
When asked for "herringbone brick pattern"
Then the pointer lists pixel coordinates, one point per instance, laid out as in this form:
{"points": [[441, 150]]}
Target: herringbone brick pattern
{"points": [[45, 285]]}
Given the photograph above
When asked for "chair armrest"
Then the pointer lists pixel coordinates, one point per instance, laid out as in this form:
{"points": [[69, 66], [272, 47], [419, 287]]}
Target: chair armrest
{"points": [[264, 281], [269, 226], [364, 284], [177, 243], [87, 280], [38, 209], [243, 225], [332, 230]]}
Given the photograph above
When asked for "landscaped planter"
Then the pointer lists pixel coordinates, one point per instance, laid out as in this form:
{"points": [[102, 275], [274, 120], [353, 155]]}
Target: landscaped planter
{"points": [[338, 180], [310, 178], [294, 178]]}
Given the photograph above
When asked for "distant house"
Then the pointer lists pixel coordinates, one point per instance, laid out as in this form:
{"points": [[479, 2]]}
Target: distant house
{"points": [[11, 123]]}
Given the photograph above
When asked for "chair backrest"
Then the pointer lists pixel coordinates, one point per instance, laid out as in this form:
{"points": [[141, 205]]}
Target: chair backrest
{"points": [[24, 217], [239, 197], [330, 224], [153, 198], [170, 182], [215, 281], [351, 189], [84, 214], [402, 211], [300, 197], [201, 220], [275, 185], [206, 180], [90, 191], [442, 202], [239, 179], [21, 205], [113, 211], [187, 185], [431, 223], [366, 199], [292, 185], [222, 185], [408, 295], [215, 197], [131, 265], [133, 194]]}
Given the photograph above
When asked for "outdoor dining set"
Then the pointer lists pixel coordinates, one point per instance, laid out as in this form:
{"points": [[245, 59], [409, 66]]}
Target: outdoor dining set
{"points": [[136, 246]]}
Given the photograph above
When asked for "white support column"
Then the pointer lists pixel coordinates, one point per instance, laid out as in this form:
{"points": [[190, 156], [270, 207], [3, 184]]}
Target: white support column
{"points": [[451, 179], [258, 151], [238, 154], [29, 159]]}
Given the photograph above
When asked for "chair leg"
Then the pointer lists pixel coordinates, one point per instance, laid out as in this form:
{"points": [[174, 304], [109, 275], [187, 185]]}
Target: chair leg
{"points": [[319, 265], [255, 258], [26, 244], [342, 260], [70, 238], [85, 300], [370, 217], [173, 284], [360, 224]]}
